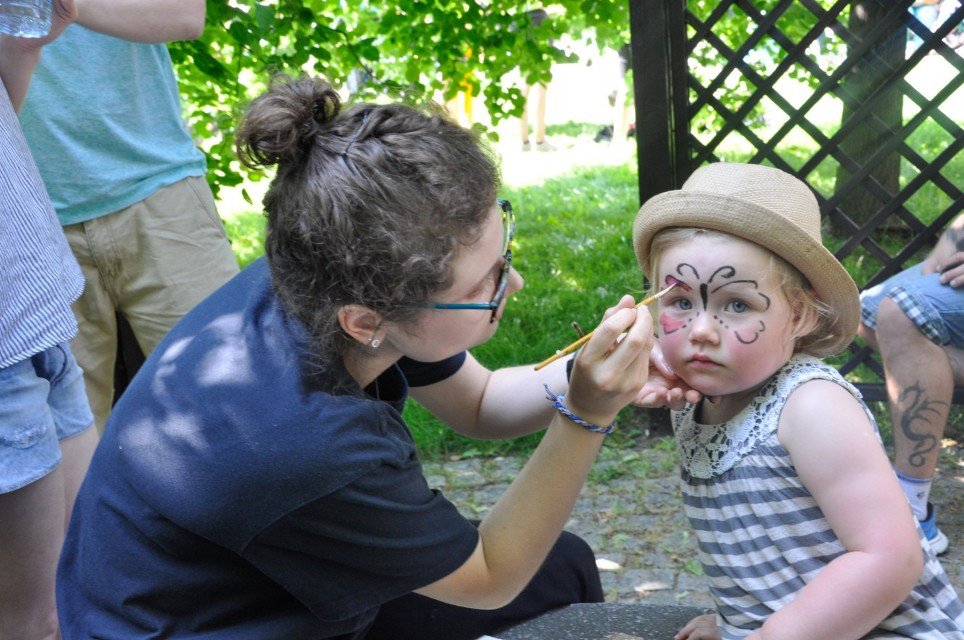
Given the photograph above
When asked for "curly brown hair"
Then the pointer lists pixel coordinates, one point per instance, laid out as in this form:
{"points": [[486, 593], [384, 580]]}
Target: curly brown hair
{"points": [[368, 206]]}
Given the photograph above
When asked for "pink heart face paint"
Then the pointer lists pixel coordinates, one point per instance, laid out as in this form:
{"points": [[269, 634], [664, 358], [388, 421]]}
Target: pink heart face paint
{"points": [[669, 324], [726, 325]]}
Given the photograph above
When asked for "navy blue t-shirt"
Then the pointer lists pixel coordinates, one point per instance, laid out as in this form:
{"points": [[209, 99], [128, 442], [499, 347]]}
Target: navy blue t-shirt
{"points": [[234, 495]]}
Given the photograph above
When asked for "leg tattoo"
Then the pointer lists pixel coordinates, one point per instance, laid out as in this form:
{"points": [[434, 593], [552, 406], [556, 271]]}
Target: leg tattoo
{"points": [[919, 408]]}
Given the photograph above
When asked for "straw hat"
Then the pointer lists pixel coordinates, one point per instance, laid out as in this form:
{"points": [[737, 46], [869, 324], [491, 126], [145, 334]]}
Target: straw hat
{"points": [[763, 205]]}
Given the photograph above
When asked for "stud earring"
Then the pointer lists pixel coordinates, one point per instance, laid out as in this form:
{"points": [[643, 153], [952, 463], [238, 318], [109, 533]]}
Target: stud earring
{"points": [[374, 342]]}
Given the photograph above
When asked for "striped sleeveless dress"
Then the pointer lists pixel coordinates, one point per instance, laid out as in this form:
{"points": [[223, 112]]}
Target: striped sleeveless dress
{"points": [[762, 536]]}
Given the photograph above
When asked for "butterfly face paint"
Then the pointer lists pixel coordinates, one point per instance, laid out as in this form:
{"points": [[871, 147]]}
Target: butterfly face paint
{"points": [[726, 326]]}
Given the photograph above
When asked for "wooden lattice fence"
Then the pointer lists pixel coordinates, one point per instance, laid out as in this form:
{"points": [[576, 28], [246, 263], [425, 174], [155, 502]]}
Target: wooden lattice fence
{"points": [[859, 98]]}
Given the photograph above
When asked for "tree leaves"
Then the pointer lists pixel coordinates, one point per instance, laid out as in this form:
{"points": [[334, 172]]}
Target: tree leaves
{"points": [[411, 50]]}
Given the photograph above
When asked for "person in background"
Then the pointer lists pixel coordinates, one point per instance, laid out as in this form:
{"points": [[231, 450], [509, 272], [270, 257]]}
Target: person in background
{"points": [[257, 479], [535, 100], [125, 177], [622, 126], [622, 109], [46, 439], [802, 528], [927, 13], [915, 321]]}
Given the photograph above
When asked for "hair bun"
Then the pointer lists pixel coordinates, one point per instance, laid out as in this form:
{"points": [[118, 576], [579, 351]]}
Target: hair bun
{"points": [[326, 106], [284, 121]]}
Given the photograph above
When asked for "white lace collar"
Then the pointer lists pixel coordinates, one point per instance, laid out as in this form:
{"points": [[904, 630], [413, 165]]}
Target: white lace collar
{"points": [[708, 450]]}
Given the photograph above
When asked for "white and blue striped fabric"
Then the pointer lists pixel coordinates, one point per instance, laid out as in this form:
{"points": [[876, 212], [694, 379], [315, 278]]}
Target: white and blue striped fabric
{"points": [[762, 536], [39, 277]]}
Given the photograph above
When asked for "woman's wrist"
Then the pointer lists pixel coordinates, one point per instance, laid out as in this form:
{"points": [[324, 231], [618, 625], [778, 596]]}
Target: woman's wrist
{"points": [[559, 404]]}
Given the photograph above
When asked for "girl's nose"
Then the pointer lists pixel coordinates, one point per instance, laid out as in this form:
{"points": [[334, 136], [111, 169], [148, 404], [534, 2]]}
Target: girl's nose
{"points": [[704, 329]]}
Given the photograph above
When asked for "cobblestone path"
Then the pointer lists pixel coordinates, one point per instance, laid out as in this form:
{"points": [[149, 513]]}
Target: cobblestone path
{"points": [[631, 514]]}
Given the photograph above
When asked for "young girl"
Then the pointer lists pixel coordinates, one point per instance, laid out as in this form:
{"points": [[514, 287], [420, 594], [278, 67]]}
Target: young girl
{"points": [[803, 529]]}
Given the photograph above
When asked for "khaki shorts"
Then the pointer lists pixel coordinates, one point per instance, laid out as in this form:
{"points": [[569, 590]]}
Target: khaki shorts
{"points": [[152, 262]]}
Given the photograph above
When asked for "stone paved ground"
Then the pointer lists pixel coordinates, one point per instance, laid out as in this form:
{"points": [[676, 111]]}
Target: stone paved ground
{"points": [[631, 515]]}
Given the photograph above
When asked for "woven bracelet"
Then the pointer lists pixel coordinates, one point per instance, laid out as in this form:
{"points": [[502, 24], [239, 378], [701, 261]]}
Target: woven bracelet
{"points": [[557, 404]]}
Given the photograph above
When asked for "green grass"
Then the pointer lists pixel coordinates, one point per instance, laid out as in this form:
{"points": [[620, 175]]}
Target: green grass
{"points": [[574, 249], [574, 129]]}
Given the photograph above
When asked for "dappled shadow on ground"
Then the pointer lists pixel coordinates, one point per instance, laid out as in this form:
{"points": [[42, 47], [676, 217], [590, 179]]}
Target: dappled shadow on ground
{"points": [[631, 514]]}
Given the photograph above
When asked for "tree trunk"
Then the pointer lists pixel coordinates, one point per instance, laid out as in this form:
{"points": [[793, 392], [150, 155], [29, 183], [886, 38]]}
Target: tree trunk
{"points": [[865, 139]]}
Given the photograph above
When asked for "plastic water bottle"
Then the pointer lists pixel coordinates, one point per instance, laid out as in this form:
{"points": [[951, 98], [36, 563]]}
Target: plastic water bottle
{"points": [[25, 18]]}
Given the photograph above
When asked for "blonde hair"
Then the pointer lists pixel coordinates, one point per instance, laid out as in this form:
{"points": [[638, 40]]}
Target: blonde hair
{"points": [[814, 332]]}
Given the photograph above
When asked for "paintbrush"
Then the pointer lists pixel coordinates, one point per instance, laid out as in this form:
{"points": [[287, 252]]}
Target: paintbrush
{"points": [[583, 340]]}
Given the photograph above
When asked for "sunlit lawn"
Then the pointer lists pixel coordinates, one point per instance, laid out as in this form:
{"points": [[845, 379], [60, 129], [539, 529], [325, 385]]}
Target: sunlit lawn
{"points": [[573, 247], [575, 208]]}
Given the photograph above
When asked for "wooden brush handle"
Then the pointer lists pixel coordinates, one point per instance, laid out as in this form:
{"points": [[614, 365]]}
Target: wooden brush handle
{"points": [[583, 340]]}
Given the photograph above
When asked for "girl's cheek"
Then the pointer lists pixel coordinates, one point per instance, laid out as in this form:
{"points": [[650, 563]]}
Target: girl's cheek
{"points": [[672, 346], [669, 324], [744, 334]]}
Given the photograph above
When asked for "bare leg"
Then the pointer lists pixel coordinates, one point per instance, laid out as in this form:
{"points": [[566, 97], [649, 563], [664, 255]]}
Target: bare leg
{"points": [[540, 116], [869, 336], [32, 524], [919, 387], [77, 452], [31, 533], [524, 118], [956, 357], [620, 116]]}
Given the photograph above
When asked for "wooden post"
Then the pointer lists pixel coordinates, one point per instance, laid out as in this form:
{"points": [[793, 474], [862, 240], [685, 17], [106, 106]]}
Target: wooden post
{"points": [[658, 43], [659, 84]]}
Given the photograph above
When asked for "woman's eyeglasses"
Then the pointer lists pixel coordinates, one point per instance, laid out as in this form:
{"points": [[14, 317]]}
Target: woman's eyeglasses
{"points": [[508, 218]]}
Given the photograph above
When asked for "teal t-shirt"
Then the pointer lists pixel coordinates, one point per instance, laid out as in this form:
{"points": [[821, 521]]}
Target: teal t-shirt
{"points": [[103, 119]]}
